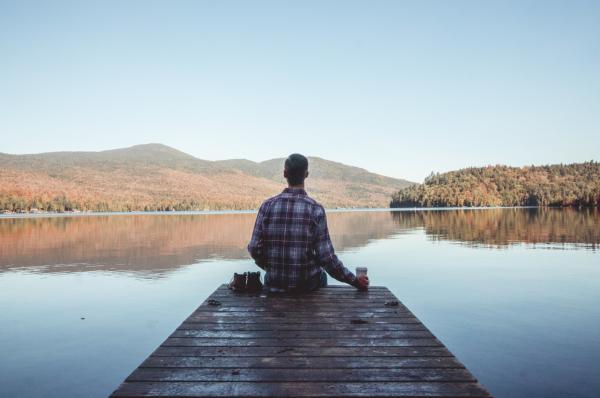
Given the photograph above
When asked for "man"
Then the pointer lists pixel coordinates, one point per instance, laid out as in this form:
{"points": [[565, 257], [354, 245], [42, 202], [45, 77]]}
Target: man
{"points": [[291, 241]]}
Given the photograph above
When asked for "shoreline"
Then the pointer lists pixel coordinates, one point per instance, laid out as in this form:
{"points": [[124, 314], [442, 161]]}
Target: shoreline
{"points": [[251, 211]]}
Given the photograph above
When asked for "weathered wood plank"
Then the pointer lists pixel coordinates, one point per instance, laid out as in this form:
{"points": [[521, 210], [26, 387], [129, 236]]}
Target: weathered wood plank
{"points": [[330, 289], [333, 342], [248, 318], [213, 342], [309, 296], [307, 334], [286, 351], [302, 362], [224, 286], [261, 310], [292, 308], [343, 293], [249, 298], [300, 310], [309, 389], [295, 304], [287, 374], [346, 326], [298, 315], [274, 321]]}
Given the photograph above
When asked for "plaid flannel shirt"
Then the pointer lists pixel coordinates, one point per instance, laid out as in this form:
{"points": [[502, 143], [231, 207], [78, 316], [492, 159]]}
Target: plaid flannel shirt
{"points": [[291, 242]]}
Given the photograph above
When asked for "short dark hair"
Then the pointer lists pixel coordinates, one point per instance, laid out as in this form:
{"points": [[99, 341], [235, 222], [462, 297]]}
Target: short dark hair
{"points": [[296, 166]]}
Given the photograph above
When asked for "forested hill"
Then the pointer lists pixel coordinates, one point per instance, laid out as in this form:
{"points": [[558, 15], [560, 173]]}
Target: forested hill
{"points": [[157, 177], [575, 184]]}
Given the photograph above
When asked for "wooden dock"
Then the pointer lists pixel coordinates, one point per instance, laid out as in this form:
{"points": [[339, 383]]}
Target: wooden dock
{"points": [[331, 343]]}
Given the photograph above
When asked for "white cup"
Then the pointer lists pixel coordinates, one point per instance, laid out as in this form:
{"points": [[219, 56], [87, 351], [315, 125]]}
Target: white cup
{"points": [[361, 271]]}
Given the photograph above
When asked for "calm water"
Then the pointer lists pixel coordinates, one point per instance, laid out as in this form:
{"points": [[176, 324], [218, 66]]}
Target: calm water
{"points": [[514, 293]]}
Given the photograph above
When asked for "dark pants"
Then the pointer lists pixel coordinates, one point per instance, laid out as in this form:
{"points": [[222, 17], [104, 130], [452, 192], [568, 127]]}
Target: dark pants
{"points": [[314, 283], [323, 279]]}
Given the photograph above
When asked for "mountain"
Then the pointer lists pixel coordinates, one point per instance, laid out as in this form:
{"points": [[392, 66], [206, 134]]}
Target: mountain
{"points": [[158, 177], [576, 184]]}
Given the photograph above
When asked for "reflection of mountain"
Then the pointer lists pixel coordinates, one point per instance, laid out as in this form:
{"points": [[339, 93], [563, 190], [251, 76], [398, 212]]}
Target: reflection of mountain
{"points": [[503, 227], [154, 242]]}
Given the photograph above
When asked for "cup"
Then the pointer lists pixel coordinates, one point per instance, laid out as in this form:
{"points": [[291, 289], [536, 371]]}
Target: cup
{"points": [[361, 271]]}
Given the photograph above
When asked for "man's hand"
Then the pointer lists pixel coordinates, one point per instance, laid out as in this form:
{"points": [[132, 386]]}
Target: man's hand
{"points": [[362, 282]]}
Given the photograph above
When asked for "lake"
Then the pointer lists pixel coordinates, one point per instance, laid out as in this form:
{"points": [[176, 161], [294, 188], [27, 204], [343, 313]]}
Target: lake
{"points": [[513, 293]]}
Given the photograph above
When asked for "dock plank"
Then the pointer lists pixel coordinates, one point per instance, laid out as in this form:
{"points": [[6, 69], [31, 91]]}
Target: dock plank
{"points": [[301, 362], [334, 342], [299, 326], [306, 334], [289, 375], [203, 318], [287, 351], [296, 342], [295, 389]]}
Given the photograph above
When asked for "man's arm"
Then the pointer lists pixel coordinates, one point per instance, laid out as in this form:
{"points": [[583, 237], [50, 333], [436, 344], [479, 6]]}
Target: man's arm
{"points": [[255, 247], [326, 255]]}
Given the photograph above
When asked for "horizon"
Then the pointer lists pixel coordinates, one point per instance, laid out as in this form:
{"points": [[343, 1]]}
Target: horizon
{"points": [[398, 89], [309, 156]]}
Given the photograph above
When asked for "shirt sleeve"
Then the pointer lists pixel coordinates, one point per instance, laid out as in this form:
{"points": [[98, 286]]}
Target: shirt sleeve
{"points": [[325, 253], [255, 247]]}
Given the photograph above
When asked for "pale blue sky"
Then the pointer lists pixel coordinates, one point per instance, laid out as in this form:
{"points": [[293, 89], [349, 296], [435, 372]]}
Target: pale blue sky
{"points": [[395, 87]]}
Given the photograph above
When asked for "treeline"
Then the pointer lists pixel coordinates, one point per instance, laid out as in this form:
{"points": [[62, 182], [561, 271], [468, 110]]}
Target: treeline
{"points": [[575, 185], [60, 204]]}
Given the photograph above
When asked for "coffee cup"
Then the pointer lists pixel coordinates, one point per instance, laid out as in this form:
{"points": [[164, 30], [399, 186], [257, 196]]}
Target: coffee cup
{"points": [[361, 271]]}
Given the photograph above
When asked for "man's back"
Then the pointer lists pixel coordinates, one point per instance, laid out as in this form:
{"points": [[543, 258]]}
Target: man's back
{"points": [[291, 242]]}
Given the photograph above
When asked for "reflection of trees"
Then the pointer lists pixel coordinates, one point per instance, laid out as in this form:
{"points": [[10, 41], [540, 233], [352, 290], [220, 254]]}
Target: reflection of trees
{"points": [[154, 242], [502, 227]]}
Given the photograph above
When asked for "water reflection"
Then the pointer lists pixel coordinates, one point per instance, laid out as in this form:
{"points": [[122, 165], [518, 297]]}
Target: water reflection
{"points": [[160, 243], [154, 243], [504, 227]]}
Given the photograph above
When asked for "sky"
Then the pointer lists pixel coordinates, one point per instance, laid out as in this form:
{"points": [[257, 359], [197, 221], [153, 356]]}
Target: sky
{"points": [[399, 88]]}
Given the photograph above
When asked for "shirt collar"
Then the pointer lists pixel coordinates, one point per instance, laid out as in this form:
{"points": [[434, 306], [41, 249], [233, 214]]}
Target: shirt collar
{"points": [[295, 191]]}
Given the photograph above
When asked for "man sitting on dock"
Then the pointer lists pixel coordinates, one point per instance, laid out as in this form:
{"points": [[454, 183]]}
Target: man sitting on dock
{"points": [[291, 240]]}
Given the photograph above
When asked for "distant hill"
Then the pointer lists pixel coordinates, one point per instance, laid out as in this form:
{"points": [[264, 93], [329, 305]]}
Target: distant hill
{"points": [[575, 184], [158, 177]]}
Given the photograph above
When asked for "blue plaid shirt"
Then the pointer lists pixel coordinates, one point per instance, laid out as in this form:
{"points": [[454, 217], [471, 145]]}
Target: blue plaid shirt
{"points": [[291, 242]]}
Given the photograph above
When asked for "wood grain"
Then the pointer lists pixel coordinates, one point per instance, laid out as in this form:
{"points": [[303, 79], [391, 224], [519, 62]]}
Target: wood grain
{"points": [[330, 343]]}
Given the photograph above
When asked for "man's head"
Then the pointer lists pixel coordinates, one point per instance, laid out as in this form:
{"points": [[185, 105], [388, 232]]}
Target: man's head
{"points": [[295, 169]]}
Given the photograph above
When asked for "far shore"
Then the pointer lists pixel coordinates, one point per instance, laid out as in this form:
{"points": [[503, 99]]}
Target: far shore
{"points": [[41, 214]]}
